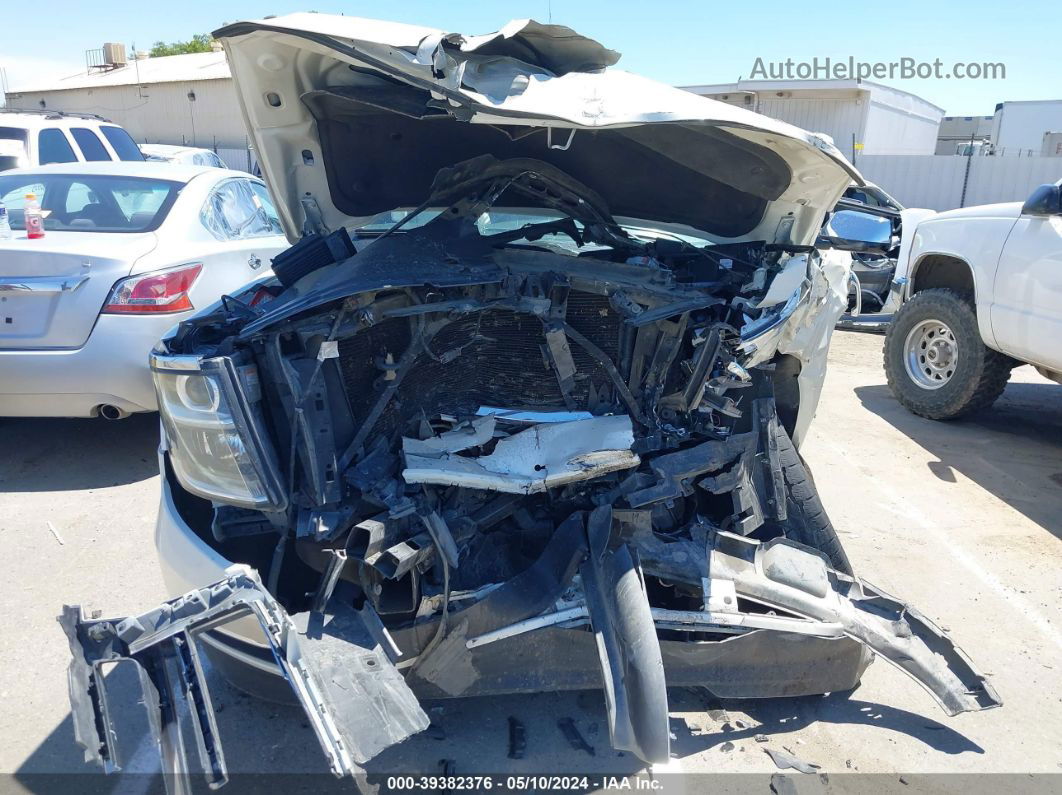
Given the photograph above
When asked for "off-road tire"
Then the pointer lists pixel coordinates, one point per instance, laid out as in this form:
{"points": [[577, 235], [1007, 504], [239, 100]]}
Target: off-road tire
{"points": [[806, 521], [980, 375]]}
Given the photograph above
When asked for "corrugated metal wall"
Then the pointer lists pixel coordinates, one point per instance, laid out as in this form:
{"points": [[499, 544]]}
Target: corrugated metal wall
{"points": [[240, 158], [838, 118], [936, 181], [893, 130], [159, 113]]}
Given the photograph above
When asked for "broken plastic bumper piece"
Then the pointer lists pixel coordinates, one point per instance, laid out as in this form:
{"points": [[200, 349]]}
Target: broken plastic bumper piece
{"points": [[777, 586], [793, 578], [337, 660], [340, 661]]}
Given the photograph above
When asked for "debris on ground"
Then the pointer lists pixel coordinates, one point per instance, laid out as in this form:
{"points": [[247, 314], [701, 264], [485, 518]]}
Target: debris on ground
{"points": [[783, 760], [728, 746], [55, 533], [517, 739], [575, 739], [762, 738]]}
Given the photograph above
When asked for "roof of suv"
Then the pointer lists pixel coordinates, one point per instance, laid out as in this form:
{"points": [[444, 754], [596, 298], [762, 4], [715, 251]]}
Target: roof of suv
{"points": [[128, 168], [34, 119]]}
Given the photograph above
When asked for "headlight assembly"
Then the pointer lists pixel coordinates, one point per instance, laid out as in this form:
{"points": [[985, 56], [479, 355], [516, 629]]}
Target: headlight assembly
{"points": [[209, 409]]}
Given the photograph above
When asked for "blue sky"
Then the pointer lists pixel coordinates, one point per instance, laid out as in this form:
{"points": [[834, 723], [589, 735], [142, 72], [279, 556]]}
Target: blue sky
{"points": [[674, 41]]}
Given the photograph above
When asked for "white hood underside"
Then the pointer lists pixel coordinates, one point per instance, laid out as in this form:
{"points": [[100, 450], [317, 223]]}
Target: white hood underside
{"points": [[318, 90]]}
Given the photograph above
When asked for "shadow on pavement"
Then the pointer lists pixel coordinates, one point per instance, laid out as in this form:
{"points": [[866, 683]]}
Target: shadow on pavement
{"points": [[1012, 449], [72, 454], [775, 718], [268, 744]]}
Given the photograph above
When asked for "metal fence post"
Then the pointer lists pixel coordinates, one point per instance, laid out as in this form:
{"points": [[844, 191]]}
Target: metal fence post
{"points": [[966, 177]]}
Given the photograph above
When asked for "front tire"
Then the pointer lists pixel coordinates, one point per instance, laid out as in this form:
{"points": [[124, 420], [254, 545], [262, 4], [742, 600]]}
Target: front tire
{"points": [[806, 521], [935, 362]]}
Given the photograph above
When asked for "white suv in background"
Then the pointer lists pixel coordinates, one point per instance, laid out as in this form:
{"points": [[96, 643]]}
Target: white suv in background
{"points": [[37, 138]]}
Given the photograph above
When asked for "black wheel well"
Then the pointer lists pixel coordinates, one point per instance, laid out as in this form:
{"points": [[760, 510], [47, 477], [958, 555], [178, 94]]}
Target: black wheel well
{"points": [[942, 270]]}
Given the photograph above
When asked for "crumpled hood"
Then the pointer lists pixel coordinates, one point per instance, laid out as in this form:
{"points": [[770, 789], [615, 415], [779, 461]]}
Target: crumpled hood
{"points": [[353, 117]]}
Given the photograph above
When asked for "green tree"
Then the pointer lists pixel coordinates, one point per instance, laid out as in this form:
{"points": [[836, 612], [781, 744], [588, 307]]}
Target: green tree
{"points": [[199, 43]]}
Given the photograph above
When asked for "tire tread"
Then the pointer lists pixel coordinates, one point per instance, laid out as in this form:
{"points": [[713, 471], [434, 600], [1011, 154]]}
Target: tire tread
{"points": [[991, 370], [807, 522]]}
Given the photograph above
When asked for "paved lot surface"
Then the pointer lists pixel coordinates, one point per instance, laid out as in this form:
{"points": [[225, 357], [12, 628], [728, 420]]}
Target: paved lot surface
{"points": [[961, 519]]}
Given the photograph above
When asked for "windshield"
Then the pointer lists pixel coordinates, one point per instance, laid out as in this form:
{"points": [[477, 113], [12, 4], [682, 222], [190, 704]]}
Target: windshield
{"points": [[872, 197], [512, 219], [81, 203]]}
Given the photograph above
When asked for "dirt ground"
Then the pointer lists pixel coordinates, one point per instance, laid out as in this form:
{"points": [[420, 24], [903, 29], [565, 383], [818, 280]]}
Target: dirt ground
{"points": [[961, 519]]}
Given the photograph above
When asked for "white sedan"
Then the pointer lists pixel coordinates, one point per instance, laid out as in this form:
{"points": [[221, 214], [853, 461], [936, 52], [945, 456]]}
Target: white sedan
{"points": [[181, 155], [130, 249]]}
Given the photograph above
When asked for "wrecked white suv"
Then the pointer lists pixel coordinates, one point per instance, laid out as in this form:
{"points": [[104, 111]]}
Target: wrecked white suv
{"points": [[518, 413]]}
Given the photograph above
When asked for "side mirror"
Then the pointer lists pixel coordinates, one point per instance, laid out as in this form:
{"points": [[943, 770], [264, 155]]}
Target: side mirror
{"points": [[1045, 200], [853, 230]]}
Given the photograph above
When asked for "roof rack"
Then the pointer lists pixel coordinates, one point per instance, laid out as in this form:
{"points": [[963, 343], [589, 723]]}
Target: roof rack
{"points": [[56, 114]]}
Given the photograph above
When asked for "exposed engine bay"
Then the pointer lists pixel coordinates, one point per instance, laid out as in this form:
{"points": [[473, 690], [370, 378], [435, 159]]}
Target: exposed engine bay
{"points": [[567, 434]]}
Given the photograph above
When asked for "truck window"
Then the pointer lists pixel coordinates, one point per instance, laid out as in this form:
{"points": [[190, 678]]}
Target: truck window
{"points": [[52, 147], [91, 146], [122, 142]]}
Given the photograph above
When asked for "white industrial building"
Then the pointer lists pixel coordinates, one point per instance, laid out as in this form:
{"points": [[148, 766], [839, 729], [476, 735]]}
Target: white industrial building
{"points": [[957, 133], [1027, 128], [861, 117], [177, 99]]}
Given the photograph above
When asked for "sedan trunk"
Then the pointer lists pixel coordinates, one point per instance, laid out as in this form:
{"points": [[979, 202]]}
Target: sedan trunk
{"points": [[51, 292]]}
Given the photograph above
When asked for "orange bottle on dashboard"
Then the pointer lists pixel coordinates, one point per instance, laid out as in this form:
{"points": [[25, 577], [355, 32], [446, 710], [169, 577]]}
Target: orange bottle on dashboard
{"points": [[33, 217]]}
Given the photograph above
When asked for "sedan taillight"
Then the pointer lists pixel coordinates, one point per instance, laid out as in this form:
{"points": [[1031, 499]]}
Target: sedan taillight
{"points": [[154, 293]]}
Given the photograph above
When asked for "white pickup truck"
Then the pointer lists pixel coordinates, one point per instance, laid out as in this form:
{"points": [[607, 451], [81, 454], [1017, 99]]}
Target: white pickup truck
{"points": [[984, 290]]}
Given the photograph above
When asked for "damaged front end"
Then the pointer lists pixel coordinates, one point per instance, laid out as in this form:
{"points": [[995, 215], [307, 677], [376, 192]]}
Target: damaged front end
{"points": [[509, 442]]}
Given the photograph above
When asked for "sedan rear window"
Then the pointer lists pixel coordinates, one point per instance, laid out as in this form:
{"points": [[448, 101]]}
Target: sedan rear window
{"points": [[122, 142], [82, 203]]}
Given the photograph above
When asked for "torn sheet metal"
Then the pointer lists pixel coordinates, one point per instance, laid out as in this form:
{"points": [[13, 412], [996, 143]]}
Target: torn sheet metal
{"points": [[355, 699], [812, 311], [533, 417], [794, 578], [539, 458], [465, 436]]}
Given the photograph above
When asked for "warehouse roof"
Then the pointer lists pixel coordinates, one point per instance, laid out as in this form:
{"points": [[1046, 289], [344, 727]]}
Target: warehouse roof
{"points": [[753, 86], [168, 69]]}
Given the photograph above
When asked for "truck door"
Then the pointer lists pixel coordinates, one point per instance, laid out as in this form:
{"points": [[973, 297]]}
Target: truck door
{"points": [[1026, 309]]}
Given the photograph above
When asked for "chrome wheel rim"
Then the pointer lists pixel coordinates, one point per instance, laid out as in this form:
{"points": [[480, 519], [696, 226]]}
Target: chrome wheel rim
{"points": [[930, 354]]}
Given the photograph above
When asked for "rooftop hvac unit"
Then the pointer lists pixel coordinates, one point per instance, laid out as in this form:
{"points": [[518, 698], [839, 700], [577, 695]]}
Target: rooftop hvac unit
{"points": [[114, 54]]}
